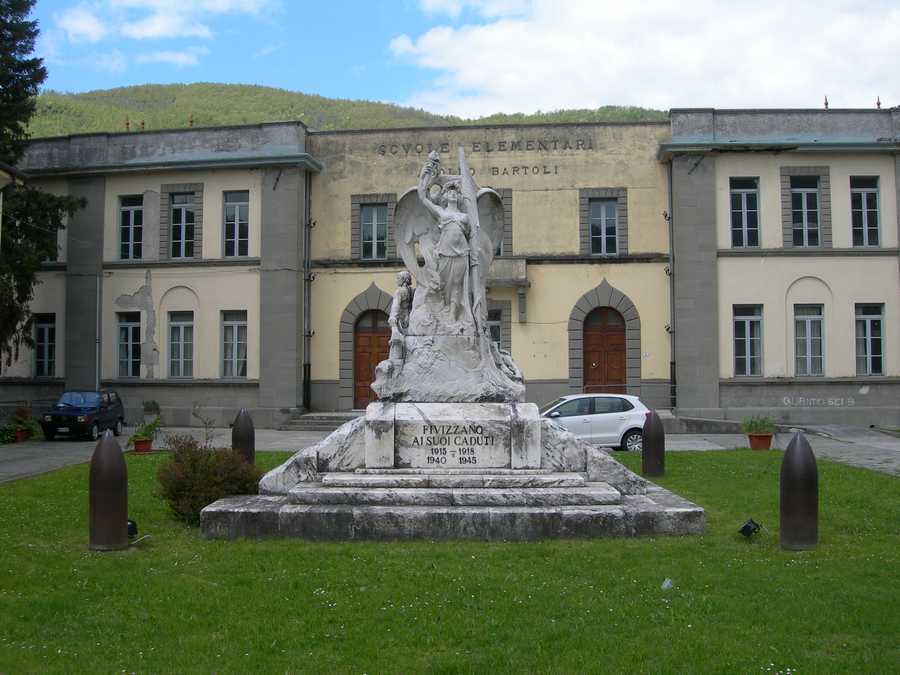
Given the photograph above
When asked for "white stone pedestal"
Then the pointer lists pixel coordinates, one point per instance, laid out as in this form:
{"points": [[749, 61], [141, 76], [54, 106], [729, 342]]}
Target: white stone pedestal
{"points": [[453, 435]]}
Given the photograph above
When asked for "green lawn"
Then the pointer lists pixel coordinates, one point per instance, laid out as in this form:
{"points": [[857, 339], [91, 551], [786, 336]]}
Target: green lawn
{"points": [[177, 603]]}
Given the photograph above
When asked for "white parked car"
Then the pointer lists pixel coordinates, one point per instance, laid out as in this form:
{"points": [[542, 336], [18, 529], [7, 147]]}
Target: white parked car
{"points": [[614, 420]]}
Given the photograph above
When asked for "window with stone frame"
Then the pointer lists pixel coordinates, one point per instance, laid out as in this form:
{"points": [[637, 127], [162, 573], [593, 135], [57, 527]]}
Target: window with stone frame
{"points": [[864, 210], [744, 193], [181, 344], [372, 226], [234, 343], [602, 212], [236, 235], [870, 339], [131, 227], [806, 206], [129, 344], [809, 340], [45, 345], [747, 321], [181, 221]]}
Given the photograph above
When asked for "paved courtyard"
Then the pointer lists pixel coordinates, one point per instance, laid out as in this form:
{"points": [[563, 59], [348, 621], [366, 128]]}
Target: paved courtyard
{"points": [[856, 446]]}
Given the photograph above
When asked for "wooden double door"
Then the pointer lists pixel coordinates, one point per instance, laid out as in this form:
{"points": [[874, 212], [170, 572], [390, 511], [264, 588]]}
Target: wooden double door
{"points": [[371, 343], [604, 352]]}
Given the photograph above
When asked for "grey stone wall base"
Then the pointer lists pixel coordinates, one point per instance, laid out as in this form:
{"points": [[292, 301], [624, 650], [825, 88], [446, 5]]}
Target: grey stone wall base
{"points": [[659, 512], [221, 416]]}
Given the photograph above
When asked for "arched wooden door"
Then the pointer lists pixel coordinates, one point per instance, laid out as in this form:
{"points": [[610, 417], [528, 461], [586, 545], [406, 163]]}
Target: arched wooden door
{"points": [[371, 342], [604, 352]]}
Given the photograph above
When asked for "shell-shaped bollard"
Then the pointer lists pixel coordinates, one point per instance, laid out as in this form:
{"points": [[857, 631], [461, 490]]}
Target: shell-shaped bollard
{"points": [[243, 436], [799, 496], [653, 454], [108, 496]]}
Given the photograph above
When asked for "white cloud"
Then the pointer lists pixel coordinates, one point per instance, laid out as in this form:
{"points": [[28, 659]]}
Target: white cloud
{"points": [[165, 25], [268, 49], [547, 55], [80, 24], [181, 58], [112, 61]]}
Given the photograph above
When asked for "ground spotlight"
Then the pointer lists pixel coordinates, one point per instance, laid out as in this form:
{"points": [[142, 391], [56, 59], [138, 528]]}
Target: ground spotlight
{"points": [[749, 528]]}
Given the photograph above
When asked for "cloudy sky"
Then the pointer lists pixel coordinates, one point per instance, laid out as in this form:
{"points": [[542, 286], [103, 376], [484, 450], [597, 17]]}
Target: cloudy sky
{"points": [[476, 57]]}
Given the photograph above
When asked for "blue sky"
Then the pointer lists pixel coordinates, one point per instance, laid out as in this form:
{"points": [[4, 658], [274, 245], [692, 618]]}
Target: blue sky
{"points": [[476, 57]]}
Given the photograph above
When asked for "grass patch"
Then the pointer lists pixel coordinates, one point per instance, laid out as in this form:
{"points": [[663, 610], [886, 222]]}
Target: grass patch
{"points": [[180, 603]]}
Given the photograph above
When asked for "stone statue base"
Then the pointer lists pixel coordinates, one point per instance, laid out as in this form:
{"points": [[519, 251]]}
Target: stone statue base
{"points": [[452, 471], [445, 369]]}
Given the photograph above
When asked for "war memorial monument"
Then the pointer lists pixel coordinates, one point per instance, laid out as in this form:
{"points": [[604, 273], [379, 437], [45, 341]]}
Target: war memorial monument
{"points": [[450, 450]]}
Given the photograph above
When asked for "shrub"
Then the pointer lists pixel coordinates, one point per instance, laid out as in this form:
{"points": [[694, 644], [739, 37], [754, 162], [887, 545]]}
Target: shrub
{"points": [[195, 477], [151, 407], [23, 419], [7, 433], [176, 442], [758, 425]]}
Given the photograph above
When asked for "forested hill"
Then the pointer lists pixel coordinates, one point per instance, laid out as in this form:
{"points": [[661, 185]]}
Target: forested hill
{"points": [[173, 106]]}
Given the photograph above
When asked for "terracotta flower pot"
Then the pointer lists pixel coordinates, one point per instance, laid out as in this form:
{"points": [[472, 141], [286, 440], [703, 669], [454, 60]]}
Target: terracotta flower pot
{"points": [[142, 444], [760, 441], [21, 435]]}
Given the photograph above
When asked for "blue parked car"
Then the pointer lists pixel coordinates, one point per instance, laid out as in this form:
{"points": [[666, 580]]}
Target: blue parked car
{"points": [[84, 413]]}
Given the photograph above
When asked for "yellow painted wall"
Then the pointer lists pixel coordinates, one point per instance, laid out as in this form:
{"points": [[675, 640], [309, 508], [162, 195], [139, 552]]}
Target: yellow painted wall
{"points": [[837, 283], [545, 183], [540, 347], [206, 291], [767, 166], [215, 182], [49, 298]]}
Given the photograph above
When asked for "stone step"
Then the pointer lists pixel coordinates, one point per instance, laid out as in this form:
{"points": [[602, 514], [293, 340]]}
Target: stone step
{"points": [[261, 516], [593, 494], [455, 471], [444, 480]]}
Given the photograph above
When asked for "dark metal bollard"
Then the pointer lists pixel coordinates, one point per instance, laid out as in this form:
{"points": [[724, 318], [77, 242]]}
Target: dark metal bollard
{"points": [[799, 496], [243, 436], [653, 454], [108, 489]]}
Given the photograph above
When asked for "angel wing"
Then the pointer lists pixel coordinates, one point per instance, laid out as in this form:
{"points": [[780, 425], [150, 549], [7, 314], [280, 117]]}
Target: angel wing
{"points": [[490, 215], [414, 224]]}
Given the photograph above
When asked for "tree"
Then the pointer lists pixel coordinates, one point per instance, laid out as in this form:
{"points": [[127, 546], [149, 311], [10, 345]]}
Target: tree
{"points": [[31, 218]]}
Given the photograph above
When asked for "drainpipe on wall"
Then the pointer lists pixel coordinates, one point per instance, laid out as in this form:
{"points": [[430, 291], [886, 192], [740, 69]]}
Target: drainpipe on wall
{"points": [[307, 295], [673, 387]]}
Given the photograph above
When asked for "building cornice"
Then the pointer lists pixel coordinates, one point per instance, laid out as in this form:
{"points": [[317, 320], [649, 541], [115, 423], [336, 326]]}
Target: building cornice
{"points": [[808, 252]]}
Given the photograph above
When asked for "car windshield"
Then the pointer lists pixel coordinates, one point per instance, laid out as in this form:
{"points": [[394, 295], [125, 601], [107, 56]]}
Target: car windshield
{"points": [[547, 407], [79, 398]]}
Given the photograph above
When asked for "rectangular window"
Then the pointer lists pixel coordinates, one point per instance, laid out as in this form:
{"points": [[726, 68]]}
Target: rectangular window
{"points": [[237, 227], [373, 219], [495, 326], [747, 340], [604, 226], [181, 344], [808, 336], [131, 227], [45, 345], [234, 344], [744, 212], [129, 344], [805, 210], [864, 210], [183, 219], [869, 339]]}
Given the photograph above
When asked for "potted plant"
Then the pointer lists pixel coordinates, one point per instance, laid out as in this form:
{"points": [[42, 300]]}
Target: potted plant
{"points": [[142, 438], [151, 410], [24, 424], [759, 432]]}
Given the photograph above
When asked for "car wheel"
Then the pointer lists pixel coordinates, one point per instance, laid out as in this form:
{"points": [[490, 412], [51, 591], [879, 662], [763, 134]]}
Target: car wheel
{"points": [[633, 440], [94, 433], [117, 429]]}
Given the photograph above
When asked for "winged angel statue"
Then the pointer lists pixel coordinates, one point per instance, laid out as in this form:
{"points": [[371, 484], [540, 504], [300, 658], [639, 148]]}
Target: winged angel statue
{"points": [[446, 230]]}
